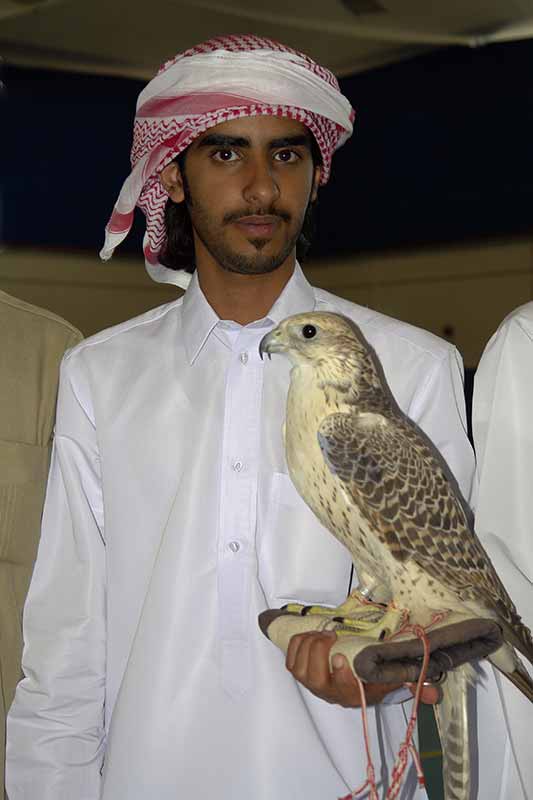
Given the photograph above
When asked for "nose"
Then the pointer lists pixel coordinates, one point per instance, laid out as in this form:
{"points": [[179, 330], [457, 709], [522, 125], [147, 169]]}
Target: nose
{"points": [[261, 188]]}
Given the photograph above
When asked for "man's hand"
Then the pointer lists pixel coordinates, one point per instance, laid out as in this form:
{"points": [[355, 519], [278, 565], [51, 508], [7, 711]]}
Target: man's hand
{"points": [[308, 660]]}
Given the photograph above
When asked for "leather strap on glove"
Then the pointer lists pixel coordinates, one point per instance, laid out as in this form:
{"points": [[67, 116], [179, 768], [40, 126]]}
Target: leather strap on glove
{"points": [[373, 640]]}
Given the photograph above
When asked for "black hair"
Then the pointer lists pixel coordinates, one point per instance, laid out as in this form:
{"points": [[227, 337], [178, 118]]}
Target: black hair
{"points": [[178, 252]]}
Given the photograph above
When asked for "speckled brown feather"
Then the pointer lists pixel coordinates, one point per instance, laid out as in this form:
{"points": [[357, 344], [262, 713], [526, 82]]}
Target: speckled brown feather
{"points": [[405, 490]]}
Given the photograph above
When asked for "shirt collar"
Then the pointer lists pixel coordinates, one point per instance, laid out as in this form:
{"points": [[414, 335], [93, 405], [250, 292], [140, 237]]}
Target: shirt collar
{"points": [[297, 297], [199, 319]]}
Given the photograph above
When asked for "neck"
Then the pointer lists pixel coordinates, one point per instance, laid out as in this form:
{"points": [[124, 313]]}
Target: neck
{"points": [[242, 298]]}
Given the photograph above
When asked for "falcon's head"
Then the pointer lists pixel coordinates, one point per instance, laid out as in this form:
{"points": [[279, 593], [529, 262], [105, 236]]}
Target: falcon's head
{"points": [[329, 343]]}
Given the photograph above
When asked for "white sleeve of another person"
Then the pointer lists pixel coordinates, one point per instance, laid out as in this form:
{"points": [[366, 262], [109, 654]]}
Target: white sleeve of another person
{"points": [[503, 437], [55, 733]]}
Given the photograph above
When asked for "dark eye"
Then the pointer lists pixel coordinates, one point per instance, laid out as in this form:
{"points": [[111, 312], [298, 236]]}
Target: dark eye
{"points": [[309, 331]]}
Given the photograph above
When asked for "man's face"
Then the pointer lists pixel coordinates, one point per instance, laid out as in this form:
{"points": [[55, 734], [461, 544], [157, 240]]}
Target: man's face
{"points": [[247, 185]]}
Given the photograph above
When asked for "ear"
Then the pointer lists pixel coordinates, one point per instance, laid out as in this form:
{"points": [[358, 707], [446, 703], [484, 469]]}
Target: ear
{"points": [[316, 182], [172, 182]]}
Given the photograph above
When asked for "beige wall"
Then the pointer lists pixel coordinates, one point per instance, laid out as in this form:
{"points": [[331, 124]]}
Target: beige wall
{"points": [[78, 286], [465, 289]]}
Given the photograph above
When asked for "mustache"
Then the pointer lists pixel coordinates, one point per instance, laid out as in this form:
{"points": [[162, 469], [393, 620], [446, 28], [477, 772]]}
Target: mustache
{"points": [[235, 216]]}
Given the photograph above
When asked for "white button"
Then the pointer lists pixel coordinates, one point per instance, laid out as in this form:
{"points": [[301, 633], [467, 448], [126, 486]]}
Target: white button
{"points": [[243, 358], [237, 465], [234, 547]]}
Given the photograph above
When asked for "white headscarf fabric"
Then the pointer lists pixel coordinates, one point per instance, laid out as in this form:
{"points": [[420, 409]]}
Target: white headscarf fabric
{"points": [[222, 79]]}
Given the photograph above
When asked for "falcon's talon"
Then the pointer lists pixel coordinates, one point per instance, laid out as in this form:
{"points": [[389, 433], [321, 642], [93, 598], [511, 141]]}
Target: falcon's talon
{"points": [[327, 625], [303, 611]]}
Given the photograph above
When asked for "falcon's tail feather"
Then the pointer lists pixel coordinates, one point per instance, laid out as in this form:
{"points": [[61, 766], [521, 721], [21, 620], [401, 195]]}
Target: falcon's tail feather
{"points": [[452, 722], [521, 679], [507, 661]]}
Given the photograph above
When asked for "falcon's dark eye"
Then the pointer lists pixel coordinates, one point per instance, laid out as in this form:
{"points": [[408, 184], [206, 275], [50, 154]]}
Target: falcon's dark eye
{"points": [[309, 331]]}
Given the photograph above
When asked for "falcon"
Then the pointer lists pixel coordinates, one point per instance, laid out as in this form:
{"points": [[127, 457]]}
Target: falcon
{"points": [[379, 485]]}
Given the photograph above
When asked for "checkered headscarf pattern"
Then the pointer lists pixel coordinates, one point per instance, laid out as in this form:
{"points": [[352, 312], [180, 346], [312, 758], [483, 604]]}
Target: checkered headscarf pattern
{"points": [[246, 44], [171, 113]]}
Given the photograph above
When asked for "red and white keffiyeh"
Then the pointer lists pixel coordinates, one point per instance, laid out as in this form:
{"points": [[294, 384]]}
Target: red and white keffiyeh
{"points": [[222, 79]]}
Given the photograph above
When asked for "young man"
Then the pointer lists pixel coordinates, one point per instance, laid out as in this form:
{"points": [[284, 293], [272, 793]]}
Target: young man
{"points": [[170, 520]]}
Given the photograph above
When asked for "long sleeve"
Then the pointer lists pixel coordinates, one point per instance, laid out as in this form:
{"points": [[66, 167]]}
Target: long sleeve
{"points": [[55, 736], [503, 436]]}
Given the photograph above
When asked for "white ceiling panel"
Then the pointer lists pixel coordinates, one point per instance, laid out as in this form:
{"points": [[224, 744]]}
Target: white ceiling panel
{"points": [[130, 38]]}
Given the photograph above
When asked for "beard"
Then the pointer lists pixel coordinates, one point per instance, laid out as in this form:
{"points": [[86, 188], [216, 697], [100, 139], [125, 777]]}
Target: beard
{"points": [[211, 234], [257, 263]]}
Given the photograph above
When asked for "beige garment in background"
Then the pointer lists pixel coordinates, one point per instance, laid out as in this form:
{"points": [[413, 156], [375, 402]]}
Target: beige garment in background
{"points": [[32, 343]]}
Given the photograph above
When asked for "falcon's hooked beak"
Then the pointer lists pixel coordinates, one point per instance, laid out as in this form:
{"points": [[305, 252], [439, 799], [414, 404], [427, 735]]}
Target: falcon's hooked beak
{"points": [[271, 343]]}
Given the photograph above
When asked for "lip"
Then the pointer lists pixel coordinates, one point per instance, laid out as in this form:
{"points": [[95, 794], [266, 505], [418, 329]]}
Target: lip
{"points": [[259, 226]]}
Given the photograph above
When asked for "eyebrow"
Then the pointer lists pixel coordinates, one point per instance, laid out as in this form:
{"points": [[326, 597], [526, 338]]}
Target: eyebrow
{"points": [[218, 140]]}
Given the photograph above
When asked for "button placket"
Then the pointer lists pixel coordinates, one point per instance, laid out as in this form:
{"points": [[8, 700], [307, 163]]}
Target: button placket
{"points": [[238, 500]]}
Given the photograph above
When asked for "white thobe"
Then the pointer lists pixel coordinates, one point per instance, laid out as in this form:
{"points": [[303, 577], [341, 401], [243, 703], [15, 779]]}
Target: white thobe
{"points": [[503, 436], [170, 523]]}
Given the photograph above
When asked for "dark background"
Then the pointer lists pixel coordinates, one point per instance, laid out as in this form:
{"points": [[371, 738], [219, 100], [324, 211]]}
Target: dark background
{"points": [[442, 152]]}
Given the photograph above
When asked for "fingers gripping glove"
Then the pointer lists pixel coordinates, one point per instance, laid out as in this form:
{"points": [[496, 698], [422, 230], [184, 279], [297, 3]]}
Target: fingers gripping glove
{"points": [[379, 644]]}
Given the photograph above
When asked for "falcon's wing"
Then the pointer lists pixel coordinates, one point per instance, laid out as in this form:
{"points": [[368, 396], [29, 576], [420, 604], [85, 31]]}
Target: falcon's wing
{"points": [[403, 487]]}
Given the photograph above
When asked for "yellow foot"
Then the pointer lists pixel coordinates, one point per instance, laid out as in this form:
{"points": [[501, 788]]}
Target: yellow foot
{"points": [[377, 623], [355, 615], [355, 605]]}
